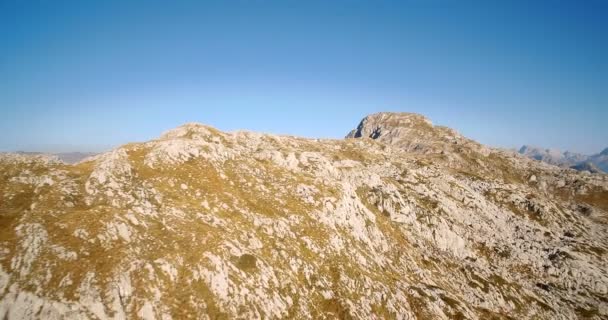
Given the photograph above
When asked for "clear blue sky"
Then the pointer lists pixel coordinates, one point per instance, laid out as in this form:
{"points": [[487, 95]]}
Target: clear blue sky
{"points": [[89, 75]]}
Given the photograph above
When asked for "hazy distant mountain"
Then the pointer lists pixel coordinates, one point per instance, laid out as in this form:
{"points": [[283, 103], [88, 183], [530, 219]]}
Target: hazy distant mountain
{"points": [[403, 220], [67, 157], [600, 160], [551, 156], [569, 159], [73, 157], [587, 166]]}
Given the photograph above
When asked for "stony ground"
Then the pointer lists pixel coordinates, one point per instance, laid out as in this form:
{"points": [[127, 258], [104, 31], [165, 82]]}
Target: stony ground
{"points": [[403, 220]]}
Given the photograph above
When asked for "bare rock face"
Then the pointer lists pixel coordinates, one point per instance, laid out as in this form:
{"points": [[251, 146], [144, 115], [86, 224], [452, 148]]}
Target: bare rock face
{"points": [[414, 133], [409, 131], [405, 220]]}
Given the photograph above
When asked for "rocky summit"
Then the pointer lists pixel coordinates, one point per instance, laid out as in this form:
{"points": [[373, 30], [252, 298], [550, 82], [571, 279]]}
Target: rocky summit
{"points": [[401, 220]]}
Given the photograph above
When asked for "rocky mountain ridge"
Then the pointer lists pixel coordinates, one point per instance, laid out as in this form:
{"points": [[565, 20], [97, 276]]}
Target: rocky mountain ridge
{"points": [[402, 220]]}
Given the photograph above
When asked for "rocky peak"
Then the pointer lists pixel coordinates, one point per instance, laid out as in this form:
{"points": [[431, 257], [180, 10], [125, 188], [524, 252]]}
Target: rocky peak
{"points": [[190, 130], [604, 152], [408, 131], [383, 124], [413, 132]]}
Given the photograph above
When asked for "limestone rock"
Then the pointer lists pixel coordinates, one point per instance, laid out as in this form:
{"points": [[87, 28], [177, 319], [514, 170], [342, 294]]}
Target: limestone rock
{"points": [[403, 220]]}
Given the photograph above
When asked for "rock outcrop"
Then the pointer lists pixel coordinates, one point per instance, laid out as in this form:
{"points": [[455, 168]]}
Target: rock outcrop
{"points": [[404, 220], [410, 132]]}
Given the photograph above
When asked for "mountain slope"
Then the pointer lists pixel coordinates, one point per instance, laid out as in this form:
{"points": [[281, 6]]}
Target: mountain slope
{"points": [[416, 222]]}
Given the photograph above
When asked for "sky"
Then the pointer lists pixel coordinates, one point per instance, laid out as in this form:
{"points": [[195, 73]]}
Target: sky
{"points": [[92, 75]]}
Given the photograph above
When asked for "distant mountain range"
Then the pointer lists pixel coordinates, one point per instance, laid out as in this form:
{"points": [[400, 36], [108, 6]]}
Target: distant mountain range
{"points": [[592, 163], [67, 157]]}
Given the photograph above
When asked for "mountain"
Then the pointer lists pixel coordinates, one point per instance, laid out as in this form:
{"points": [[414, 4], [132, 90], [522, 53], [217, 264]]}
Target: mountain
{"points": [[67, 157], [600, 160], [401, 220], [410, 132], [587, 166], [74, 157], [552, 156], [567, 159]]}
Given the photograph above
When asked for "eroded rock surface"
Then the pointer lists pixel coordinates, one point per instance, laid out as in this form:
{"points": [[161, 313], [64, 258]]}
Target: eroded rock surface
{"points": [[404, 220]]}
